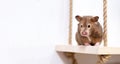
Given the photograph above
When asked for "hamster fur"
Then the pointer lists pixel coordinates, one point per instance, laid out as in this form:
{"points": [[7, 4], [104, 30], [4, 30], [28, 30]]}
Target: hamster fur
{"points": [[89, 30]]}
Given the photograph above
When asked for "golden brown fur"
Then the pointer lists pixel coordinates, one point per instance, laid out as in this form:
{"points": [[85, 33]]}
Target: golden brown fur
{"points": [[92, 27]]}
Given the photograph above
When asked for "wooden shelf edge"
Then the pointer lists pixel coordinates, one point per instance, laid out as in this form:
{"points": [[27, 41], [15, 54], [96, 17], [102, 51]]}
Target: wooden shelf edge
{"points": [[96, 50]]}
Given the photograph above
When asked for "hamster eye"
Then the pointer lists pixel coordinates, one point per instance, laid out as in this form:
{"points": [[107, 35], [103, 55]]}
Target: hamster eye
{"points": [[81, 25], [88, 26]]}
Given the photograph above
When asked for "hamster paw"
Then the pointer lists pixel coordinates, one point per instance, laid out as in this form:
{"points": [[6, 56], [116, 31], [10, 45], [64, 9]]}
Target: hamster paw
{"points": [[97, 44], [86, 44]]}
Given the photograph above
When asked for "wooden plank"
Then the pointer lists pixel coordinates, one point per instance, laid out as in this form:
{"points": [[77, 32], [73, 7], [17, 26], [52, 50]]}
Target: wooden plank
{"points": [[88, 49], [109, 50]]}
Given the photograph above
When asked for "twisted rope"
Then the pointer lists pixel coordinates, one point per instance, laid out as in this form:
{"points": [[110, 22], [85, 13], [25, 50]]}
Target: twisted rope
{"points": [[70, 55], [105, 21], [70, 23], [104, 58]]}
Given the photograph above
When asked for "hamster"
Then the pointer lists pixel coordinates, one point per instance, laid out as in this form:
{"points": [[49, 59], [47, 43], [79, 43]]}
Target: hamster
{"points": [[89, 31]]}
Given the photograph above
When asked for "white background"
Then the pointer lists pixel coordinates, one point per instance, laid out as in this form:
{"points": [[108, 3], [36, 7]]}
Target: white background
{"points": [[30, 29]]}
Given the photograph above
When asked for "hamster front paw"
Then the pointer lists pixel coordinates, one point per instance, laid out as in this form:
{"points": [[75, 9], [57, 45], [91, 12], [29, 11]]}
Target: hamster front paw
{"points": [[86, 44], [97, 44]]}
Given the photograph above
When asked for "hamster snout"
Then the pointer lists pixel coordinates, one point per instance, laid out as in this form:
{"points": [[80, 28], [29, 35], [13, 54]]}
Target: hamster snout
{"points": [[84, 33]]}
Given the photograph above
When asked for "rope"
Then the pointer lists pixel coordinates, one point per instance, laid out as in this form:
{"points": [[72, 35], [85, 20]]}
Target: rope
{"points": [[70, 55], [70, 23], [105, 21], [103, 58]]}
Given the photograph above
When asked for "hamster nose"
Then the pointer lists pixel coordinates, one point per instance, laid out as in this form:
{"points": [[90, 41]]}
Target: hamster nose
{"points": [[84, 33]]}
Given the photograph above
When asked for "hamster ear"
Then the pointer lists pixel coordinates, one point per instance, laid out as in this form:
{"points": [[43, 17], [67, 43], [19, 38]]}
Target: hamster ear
{"points": [[95, 19], [78, 18]]}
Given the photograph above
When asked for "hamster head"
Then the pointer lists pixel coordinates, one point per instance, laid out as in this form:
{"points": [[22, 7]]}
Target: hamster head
{"points": [[86, 24]]}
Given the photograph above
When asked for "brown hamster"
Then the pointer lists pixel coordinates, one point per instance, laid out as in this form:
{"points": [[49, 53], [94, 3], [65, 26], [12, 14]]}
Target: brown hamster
{"points": [[89, 30]]}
